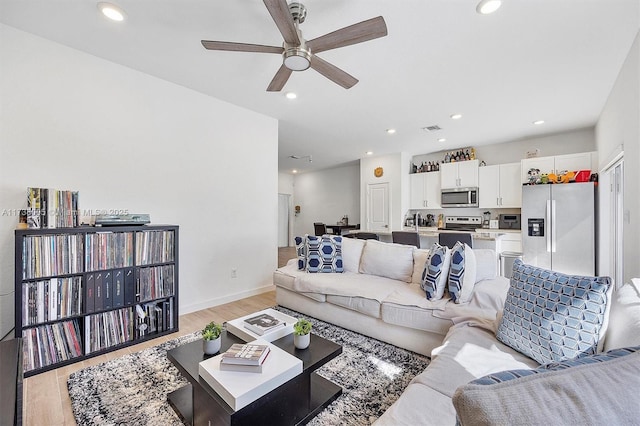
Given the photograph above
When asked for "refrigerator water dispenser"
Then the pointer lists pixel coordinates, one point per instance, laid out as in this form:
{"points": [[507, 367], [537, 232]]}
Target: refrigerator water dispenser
{"points": [[536, 227]]}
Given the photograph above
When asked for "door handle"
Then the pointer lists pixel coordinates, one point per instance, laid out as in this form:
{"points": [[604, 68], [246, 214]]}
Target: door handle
{"points": [[497, 201], [547, 217], [553, 226]]}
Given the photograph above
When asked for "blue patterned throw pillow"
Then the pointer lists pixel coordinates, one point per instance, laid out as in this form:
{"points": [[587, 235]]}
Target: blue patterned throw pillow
{"points": [[434, 275], [462, 273], [301, 252], [324, 254], [550, 316]]}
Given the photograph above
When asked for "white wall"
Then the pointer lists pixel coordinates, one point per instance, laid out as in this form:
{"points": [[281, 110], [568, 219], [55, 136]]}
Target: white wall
{"points": [[127, 140], [569, 142], [619, 124], [326, 196], [396, 172]]}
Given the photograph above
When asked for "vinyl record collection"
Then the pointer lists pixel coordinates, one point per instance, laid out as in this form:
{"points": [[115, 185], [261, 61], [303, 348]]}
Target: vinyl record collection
{"points": [[108, 329], [154, 247], [108, 250], [50, 300], [50, 344], [48, 255]]}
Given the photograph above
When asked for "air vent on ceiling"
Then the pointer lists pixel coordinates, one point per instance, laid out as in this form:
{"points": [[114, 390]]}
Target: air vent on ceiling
{"points": [[433, 128]]}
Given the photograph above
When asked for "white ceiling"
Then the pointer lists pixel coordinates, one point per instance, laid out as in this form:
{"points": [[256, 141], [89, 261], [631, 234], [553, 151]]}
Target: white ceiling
{"points": [[554, 60]]}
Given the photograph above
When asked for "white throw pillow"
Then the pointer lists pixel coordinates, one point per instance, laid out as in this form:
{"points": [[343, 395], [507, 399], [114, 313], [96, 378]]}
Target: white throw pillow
{"points": [[486, 264], [436, 271], [624, 317], [388, 260], [419, 260], [351, 254], [462, 273]]}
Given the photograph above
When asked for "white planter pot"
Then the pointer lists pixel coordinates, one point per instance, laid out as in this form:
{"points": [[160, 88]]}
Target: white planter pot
{"points": [[211, 347], [301, 342]]}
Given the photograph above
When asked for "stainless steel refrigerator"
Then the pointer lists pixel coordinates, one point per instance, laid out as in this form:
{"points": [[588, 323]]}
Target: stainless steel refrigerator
{"points": [[559, 227]]}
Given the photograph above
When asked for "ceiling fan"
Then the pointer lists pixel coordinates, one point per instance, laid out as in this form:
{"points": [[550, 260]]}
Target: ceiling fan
{"points": [[299, 54]]}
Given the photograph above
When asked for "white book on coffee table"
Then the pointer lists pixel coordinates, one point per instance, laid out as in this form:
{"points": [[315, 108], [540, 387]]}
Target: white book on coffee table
{"points": [[237, 328], [238, 388]]}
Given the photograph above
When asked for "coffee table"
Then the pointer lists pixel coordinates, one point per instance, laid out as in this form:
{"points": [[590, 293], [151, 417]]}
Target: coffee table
{"points": [[295, 402]]}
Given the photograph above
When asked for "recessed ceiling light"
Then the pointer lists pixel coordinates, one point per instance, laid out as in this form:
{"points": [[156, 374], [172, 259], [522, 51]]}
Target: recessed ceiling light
{"points": [[442, 140], [291, 95], [486, 7], [111, 11], [294, 171], [391, 131], [537, 122], [456, 116], [369, 153]]}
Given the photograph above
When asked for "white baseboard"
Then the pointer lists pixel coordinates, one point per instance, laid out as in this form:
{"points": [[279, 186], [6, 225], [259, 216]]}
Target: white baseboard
{"points": [[225, 299]]}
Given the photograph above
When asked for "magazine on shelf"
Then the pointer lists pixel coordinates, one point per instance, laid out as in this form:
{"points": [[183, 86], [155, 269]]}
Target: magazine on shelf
{"points": [[263, 323], [247, 354]]}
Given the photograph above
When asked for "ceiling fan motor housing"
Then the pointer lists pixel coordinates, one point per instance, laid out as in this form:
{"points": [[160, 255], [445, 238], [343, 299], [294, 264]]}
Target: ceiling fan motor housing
{"points": [[298, 11]]}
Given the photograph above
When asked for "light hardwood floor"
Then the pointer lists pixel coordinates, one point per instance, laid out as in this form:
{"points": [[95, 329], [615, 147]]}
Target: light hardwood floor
{"points": [[46, 399]]}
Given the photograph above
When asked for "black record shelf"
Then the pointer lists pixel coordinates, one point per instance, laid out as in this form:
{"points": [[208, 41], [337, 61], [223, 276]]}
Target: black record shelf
{"points": [[86, 291]]}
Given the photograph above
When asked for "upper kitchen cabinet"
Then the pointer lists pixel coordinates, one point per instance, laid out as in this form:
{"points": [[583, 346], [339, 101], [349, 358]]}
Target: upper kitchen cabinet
{"points": [[559, 163], [425, 191], [462, 174], [499, 186]]}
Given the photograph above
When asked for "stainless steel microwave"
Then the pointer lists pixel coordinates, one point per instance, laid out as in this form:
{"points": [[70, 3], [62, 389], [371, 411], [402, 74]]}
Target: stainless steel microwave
{"points": [[459, 197]]}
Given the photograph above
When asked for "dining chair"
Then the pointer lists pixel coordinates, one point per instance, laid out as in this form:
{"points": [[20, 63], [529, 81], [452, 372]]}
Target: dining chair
{"points": [[449, 239], [320, 228], [367, 236], [406, 238]]}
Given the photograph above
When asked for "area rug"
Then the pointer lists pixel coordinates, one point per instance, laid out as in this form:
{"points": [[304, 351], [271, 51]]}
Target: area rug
{"points": [[132, 389]]}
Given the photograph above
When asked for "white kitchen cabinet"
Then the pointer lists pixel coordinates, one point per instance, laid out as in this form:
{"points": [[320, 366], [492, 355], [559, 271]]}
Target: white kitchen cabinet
{"points": [[559, 163], [462, 174], [425, 191], [499, 186]]}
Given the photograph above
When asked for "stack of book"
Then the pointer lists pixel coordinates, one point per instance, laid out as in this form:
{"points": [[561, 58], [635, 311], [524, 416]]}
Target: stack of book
{"points": [[263, 323], [247, 358]]}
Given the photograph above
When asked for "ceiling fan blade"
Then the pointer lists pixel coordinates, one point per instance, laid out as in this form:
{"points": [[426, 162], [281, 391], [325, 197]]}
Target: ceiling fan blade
{"points": [[356, 33], [279, 80], [333, 73], [240, 47], [281, 15]]}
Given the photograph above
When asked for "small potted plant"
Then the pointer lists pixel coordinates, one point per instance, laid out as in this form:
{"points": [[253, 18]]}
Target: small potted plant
{"points": [[211, 338], [301, 333]]}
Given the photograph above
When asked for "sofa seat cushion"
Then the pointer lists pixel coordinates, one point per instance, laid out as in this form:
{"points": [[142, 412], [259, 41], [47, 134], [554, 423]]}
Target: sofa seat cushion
{"points": [[347, 284], [370, 307], [469, 351], [593, 389], [282, 278], [487, 302], [419, 405], [408, 307]]}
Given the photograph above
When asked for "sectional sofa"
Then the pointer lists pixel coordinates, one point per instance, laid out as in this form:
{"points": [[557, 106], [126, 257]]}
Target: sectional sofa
{"points": [[380, 294]]}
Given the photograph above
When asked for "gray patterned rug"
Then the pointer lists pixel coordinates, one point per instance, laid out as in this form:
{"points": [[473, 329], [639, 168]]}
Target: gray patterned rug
{"points": [[132, 389]]}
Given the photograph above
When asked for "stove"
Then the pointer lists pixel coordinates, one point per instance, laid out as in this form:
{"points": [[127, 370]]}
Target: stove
{"points": [[462, 223]]}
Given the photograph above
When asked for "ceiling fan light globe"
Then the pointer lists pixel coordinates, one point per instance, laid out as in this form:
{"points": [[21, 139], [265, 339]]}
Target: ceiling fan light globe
{"points": [[297, 59]]}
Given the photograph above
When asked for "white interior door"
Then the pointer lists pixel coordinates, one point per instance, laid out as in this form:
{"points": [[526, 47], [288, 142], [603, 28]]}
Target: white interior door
{"points": [[378, 207], [283, 220], [610, 246]]}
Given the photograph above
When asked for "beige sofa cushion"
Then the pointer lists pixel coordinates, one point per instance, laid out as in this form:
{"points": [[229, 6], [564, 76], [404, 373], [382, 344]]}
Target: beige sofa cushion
{"points": [[419, 259], [351, 254], [624, 317], [370, 307], [388, 260]]}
